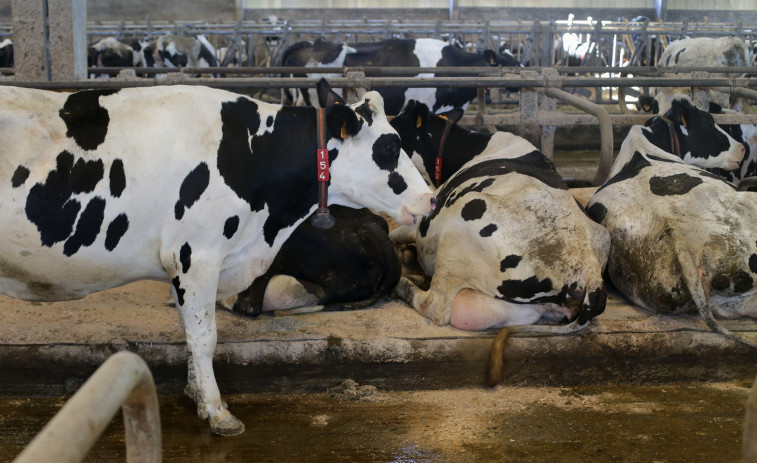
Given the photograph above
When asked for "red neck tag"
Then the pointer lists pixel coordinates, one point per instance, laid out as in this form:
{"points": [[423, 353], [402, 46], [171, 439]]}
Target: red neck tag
{"points": [[323, 165], [438, 170]]}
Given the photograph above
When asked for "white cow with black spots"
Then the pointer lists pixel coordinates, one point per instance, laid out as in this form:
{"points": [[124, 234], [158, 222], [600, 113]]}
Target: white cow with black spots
{"points": [[508, 245], [94, 196], [683, 239]]}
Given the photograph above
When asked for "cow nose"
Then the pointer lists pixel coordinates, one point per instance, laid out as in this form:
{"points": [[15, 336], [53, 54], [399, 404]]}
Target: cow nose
{"points": [[433, 203]]}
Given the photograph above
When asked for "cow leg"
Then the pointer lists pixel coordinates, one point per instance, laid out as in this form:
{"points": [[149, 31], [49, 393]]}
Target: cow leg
{"points": [[474, 310], [196, 305], [433, 304], [285, 292], [250, 301]]}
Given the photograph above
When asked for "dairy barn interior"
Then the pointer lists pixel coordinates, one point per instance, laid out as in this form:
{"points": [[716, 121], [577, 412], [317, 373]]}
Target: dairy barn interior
{"points": [[578, 172]]}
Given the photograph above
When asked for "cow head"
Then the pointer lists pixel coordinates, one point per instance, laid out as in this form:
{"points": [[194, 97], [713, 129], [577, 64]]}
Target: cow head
{"points": [[421, 131], [701, 142], [504, 58], [371, 170], [647, 104]]}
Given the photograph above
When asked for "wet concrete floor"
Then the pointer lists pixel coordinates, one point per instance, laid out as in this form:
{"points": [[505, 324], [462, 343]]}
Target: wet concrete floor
{"points": [[683, 422]]}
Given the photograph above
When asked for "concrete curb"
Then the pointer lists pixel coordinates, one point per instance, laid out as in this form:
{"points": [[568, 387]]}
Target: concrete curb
{"points": [[389, 344]]}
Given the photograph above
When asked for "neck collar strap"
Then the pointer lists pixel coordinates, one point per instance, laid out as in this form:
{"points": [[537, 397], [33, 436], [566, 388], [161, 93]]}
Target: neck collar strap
{"points": [[322, 218], [440, 154]]}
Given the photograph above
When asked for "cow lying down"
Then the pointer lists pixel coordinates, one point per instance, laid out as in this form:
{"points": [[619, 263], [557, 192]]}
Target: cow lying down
{"points": [[507, 245], [93, 197], [682, 238], [349, 266]]}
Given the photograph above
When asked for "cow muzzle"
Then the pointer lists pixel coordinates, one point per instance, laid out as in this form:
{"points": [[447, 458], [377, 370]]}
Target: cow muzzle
{"points": [[410, 216]]}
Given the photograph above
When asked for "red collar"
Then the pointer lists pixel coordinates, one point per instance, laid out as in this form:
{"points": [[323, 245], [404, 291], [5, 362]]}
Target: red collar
{"points": [[322, 218], [440, 154]]}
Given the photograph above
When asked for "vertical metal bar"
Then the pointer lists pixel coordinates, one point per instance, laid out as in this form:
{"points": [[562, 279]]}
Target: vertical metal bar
{"points": [[605, 129]]}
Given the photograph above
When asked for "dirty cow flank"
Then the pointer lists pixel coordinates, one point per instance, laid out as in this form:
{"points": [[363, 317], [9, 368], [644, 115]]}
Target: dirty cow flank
{"points": [[507, 244], [682, 238]]}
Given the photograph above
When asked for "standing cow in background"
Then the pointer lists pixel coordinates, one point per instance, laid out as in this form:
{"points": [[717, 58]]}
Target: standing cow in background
{"points": [[184, 52], [698, 52], [682, 238], [87, 206], [396, 53]]}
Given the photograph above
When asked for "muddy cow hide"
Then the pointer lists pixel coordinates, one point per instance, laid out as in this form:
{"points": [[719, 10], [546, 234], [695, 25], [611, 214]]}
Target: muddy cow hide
{"points": [[87, 206], [507, 245], [399, 53], [349, 266], [693, 52], [682, 238]]}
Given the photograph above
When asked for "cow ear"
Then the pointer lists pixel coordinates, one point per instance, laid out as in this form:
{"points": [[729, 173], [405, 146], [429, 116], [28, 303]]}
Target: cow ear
{"points": [[678, 111], [645, 103], [341, 121], [418, 112], [453, 115], [326, 96], [715, 108], [490, 57]]}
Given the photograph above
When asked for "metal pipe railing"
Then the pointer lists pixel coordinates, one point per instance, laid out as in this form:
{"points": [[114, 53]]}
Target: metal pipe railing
{"points": [[605, 129], [123, 381], [413, 82]]}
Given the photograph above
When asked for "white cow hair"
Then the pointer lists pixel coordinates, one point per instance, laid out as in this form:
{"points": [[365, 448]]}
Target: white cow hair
{"points": [[699, 52]]}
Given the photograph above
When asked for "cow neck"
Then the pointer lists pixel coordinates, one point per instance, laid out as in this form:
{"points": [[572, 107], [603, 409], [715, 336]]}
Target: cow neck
{"points": [[675, 144], [440, 154], [322, 218]]}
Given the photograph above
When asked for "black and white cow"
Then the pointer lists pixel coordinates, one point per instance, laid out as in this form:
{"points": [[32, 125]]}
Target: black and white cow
{"points": [[507, 245], [437, 145], [349, 266], [693, 52], [400, 53], [691, 135], [93, 197], [746, 134], [316, 54], [6, 53], [110, 52], [184, 52], [682, 238]]}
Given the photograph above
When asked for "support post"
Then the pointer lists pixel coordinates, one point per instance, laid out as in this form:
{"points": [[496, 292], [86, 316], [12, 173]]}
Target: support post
{"points": [[50, 46], [529, 108]]}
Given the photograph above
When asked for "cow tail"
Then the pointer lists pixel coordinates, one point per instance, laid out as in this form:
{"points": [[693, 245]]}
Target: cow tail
{"points": [[497, 357], [495, 366], [693, 277]]}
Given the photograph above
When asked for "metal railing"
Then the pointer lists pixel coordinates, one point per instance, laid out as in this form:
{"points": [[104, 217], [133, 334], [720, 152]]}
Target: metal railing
{"points": [[123, 381], [536, 119]]}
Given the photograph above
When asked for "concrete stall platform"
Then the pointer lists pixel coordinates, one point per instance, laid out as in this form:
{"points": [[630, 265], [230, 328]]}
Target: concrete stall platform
{"points": [[49, 348]]}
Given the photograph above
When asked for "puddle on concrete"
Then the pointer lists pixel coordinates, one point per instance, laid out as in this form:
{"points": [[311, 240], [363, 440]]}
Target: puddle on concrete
{"points": [[664, 423]]}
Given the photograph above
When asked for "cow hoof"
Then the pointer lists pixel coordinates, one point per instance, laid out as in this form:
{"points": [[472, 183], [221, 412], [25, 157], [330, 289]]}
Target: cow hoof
{"points": [[226, 425]]}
